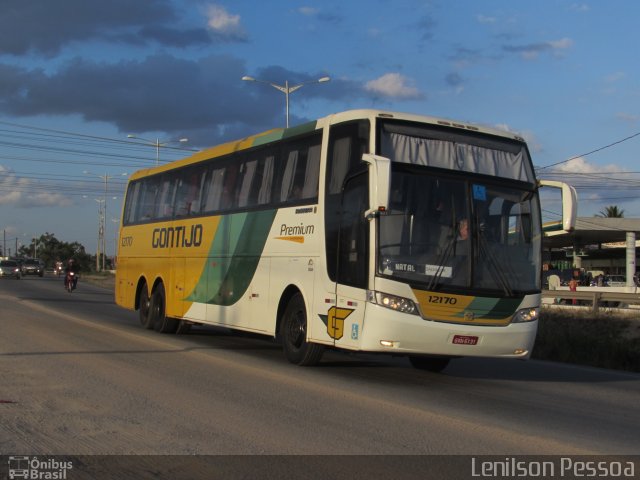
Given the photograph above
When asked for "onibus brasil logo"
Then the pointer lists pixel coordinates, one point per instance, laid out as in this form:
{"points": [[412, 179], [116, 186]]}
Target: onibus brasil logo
{"points": [[38, 469]]}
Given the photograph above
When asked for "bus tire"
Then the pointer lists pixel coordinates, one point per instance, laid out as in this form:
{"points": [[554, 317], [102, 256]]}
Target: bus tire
{"points": [[293, 332], [157, 312], [431, 364], [143, 311], [183, 327]]}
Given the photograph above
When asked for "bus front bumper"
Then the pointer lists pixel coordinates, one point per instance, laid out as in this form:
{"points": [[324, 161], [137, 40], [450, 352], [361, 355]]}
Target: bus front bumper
{"points": [[398, 333]]}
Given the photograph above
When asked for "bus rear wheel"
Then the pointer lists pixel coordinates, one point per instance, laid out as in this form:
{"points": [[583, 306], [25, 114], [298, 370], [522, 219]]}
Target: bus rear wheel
{"points": [[293, 331], [431, 364], [157, 313], [144, 309]]}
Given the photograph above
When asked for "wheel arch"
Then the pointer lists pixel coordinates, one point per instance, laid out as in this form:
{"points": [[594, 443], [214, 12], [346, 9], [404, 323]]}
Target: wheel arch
{"points": [[141, 282]]}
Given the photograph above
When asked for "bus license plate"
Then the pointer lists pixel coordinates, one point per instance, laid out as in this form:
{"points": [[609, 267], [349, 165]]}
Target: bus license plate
{"points": [[465, 340]]}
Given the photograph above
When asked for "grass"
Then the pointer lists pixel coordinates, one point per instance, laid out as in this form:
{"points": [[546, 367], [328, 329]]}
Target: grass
{"points": [[102, 279], [605, 340]]}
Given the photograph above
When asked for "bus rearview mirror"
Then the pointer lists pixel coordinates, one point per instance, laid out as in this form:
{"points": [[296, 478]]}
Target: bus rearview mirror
{"points": [[379, 183]]}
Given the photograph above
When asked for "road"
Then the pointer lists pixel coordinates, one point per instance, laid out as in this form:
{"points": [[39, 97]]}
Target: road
{"points": [[79, 376]]}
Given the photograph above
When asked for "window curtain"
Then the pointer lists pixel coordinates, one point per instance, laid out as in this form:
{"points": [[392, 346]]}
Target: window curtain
{"points": [[264, 195], [455, 156], [310, 188], [247, 180], [289, 175], [340, 165]]}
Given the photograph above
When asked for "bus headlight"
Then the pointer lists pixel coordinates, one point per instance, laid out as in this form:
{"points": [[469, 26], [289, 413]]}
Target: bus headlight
{"points": [[399, 304], [526, 315]]}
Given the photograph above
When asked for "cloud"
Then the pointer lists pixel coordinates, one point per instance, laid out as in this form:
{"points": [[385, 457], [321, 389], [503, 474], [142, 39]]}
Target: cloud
{"points": [[615, 77], [17, 192], [581, 165], [225, 25], [534, 50], [393, 85], [485, 19], [46, 27], [426, 26], [159, 93], [202, 99], [580, 7], [318, 14], [628, 117], [308, 11]]}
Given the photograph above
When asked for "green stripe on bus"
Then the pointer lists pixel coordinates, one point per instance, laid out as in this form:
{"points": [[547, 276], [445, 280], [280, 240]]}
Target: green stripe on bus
{"points": [[492, 308], [299, 129], [233, 258], [268, 138]]}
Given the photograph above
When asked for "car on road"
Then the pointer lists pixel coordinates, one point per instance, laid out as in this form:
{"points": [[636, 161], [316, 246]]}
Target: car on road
{"points": [[32, 266], [10, 268]]}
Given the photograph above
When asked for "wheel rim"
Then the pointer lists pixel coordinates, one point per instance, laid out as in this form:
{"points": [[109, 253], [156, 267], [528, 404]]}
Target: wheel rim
{"points": [[296, 331], [144, 310], [144, 304], [157, 308]]}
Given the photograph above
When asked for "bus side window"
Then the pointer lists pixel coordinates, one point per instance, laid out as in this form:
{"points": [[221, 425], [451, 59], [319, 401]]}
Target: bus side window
{"points": [[166, 194], [312, 173], [288, 189], [148, 194], [229, 195], [214, 190], [266, 185], [301, 169], [248, 175], [131, 205], [188, 193]]}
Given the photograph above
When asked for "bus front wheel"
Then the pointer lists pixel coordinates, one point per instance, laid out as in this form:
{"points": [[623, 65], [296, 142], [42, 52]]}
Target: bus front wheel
{"points": [[293, 331]]}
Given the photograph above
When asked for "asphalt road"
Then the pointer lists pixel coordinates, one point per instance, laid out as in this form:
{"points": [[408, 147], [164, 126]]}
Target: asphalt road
{"points": [[79, 376]]}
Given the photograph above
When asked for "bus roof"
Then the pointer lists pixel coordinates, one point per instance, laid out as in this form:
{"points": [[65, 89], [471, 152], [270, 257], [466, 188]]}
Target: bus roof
{"points": [[282, 133]]}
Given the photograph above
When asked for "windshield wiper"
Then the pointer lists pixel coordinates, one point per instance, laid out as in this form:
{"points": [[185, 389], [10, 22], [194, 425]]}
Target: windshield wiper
{"points": [[495, 269], [444, 257]]}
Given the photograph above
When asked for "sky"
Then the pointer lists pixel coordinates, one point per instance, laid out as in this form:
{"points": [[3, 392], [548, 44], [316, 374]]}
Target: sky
{"points": [[78, 76]]}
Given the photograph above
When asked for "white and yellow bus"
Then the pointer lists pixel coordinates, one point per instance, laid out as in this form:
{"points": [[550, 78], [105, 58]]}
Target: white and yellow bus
{"points": [[365, 230]]}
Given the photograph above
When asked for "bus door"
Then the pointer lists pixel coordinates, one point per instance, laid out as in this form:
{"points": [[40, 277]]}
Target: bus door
{"points": [[353, 264]]}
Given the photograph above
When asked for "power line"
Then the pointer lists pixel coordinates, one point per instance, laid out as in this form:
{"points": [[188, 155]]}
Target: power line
{"points": [[592, 151]]}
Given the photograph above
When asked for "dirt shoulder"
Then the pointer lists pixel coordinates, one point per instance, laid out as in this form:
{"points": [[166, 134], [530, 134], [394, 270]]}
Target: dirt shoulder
{"points": [[104, 280]]}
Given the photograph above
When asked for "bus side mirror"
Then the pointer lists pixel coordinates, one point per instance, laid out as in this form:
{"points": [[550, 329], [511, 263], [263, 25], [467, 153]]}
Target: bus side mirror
{"points": [[379, 183], [569, 208]]}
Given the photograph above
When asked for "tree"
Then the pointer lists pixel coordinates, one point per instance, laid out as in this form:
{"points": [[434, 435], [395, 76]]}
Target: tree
{"points": [[612, 211], [50, 249]]}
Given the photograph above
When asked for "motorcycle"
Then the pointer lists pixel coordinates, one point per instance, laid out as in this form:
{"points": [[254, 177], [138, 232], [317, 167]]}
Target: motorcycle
{"points": [[58, 269], [70, 281]]}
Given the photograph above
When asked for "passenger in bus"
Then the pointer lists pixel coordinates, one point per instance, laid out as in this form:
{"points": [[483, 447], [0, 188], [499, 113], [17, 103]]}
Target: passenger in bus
{"points": [[462, 238]]}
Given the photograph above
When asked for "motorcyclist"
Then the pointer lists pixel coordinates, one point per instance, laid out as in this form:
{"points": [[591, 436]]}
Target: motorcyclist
{"points": [[71, 267]]}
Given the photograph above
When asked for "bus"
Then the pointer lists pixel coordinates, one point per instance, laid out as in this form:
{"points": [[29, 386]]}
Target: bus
{"points": [[366, 230]]}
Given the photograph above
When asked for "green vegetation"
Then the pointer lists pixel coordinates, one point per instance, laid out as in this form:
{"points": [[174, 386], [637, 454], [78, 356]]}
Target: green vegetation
{"points": [[605, 340], [50, 250]]}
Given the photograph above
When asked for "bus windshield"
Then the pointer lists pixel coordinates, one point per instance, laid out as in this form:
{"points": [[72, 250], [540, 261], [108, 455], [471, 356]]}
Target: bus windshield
{"points": [[460, 233]]}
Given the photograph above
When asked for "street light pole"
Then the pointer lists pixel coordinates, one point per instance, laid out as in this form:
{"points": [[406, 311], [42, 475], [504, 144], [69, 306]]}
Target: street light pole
{"points": [[157, 143], [286, 89], [102, 215], [100, 248]]}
